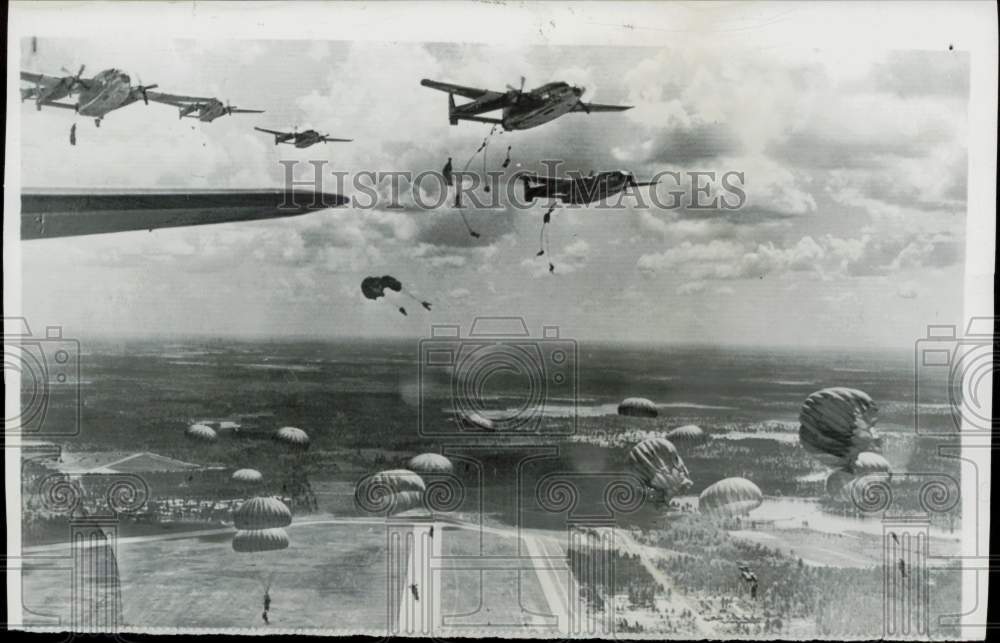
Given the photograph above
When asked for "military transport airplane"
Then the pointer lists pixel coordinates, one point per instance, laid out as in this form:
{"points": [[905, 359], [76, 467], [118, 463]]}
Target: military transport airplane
{"points": [[579, 190], [107, 91], [302, 139], [521, 109], [205, 110], [48, 213]]}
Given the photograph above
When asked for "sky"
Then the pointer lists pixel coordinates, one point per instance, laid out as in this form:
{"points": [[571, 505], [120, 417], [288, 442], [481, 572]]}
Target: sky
{"points": [[852, 234]]}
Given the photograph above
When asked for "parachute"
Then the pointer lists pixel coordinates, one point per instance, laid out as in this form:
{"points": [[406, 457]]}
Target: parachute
{"points": [[394, 490], [400, 480], [248, 476], [688, 433], [201, 432], [262, 513], [659, 466], [730, 496], [477, 421], [868, 462], [837, 424], [543, 236], [260, 540], [638, 407], [374, 288], [260, 523], [295, 438], [430, 463]]}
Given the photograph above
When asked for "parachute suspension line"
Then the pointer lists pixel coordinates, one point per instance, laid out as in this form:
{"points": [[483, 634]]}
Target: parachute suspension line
{"points": [[544, 245], [483, 147], [425, 304], [465, 220]]}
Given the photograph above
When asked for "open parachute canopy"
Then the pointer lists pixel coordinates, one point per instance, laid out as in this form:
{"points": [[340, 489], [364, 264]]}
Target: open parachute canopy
{"points": [[248, 476], [868, 462], [375, 287], [476, 420], [201, 432], [430, 463], [836, 424], [293, 437], [394, 490], [262, 513], [260, 540], [730, 496], [659, 465], [689, 434], [638, 407]]}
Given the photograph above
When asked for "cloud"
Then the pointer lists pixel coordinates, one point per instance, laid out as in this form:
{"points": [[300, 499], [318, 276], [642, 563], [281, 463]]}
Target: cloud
{"points": [[907, 290], [692, 287], [719, 259]]}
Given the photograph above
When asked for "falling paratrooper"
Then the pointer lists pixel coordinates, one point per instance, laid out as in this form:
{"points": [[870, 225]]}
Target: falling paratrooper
{"points": [[260, 524]]}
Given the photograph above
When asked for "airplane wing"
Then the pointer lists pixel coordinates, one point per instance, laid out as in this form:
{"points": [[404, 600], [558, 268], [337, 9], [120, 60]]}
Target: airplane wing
{"points": [[62, 213], [175, 99], [37, 78], [271, 131], [535, 178], [237, 110], [468, 92], [596, 107], [55, 104], [327, 139]]}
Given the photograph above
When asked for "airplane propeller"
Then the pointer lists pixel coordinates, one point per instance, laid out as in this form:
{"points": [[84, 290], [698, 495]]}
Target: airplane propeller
{"points": [[142, 90], [74, 80], [517, 92]]}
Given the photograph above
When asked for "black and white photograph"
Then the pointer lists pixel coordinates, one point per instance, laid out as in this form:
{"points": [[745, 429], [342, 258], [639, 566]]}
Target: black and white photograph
{"points": [[664, 320]]}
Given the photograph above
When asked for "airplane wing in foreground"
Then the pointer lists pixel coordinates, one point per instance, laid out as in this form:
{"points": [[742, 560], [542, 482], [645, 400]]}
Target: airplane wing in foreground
{"points": [[327, 139], [47, 214]]}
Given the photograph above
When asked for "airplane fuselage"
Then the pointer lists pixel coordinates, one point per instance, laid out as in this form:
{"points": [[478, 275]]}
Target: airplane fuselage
{"points": [[307, 138], [581, 190], [540, 106], [107, 91], [211, 111]]}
